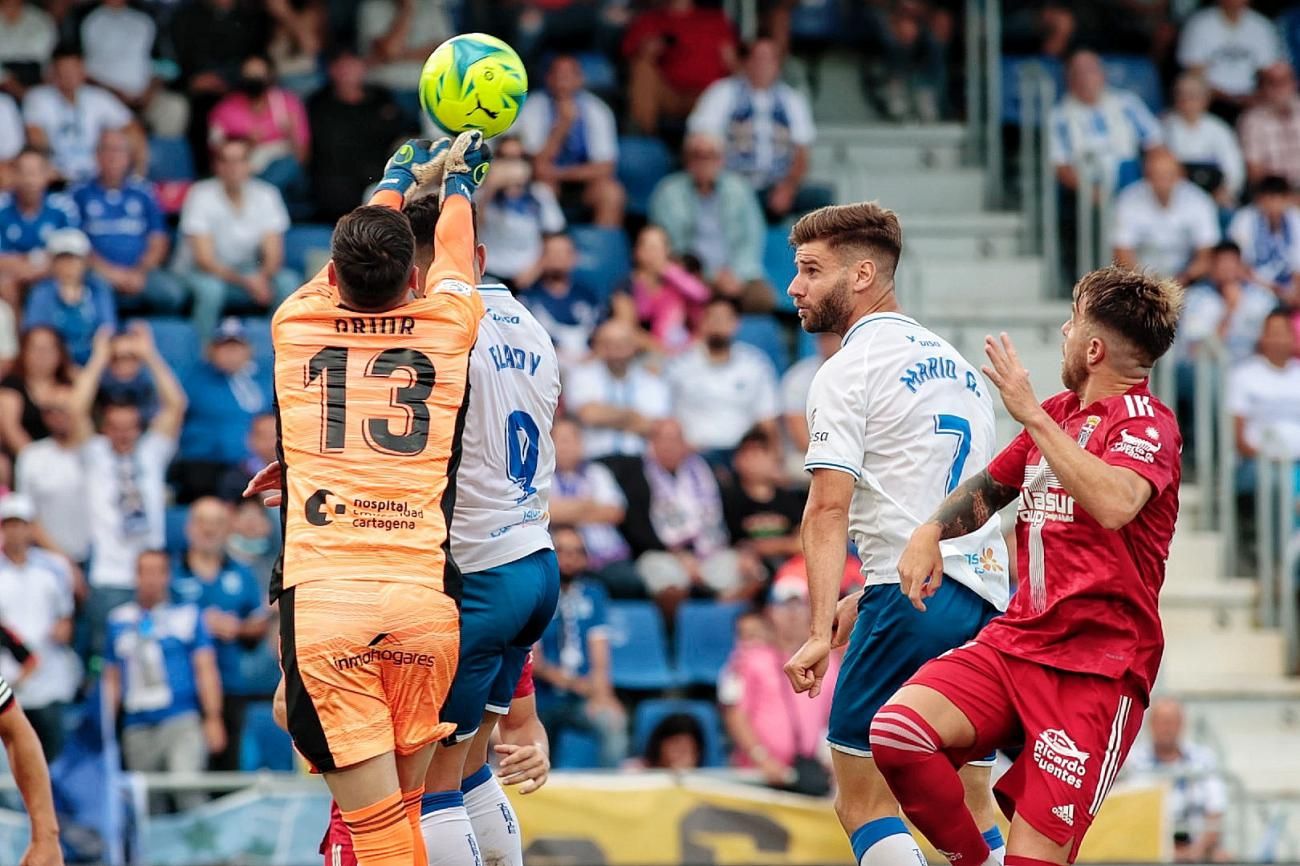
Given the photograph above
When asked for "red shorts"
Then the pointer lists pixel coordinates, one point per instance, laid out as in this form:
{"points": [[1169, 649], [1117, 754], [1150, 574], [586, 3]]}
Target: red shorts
{"points": [[1076, 730], [337, 844]]}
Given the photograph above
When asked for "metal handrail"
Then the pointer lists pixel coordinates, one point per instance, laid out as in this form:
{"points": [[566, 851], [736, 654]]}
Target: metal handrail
{"points": [[1209, 362], [993, 101], [1288, 568]]}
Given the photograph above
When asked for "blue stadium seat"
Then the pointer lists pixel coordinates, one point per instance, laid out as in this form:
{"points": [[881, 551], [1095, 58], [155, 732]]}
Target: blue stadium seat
{"points": [[762, 332], [258, 329], [175, 522], [299, 243], [604, 259], [807, 345], [642, 163], [705, 635], [576, 750], [177, 343], [170, 159], [1138, 74], [263, 745], [650, 713], [778, 264], [1011, 67], [816, 20], [638, 646], [599, 73], [1288, 24]]}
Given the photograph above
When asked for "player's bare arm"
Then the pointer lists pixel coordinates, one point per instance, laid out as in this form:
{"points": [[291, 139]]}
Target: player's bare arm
{"points": [[524, 748], [1113, 495], [825, 526], [33, 779]]}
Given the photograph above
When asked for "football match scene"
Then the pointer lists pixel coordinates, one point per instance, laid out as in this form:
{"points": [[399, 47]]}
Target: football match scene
{"points": [[649, 432]]}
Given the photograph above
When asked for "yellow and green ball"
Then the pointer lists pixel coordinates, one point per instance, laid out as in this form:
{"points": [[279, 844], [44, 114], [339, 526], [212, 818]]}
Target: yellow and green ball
{"points": [[473, 81]]}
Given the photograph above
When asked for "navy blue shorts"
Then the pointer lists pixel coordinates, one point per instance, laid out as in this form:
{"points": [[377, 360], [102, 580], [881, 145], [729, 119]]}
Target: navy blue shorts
{"points": [[890, 642], [503, 612]]}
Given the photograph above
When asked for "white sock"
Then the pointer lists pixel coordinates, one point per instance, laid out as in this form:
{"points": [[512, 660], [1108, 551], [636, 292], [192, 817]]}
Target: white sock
{"points": [[997, 847], [493, 818], [886, 842], [448, 836]]}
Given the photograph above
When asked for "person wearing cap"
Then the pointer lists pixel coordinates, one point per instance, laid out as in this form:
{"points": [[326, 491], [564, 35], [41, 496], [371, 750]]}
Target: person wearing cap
{"points": [[770, 727], [73, 300], [36, 605], [226, 392]]}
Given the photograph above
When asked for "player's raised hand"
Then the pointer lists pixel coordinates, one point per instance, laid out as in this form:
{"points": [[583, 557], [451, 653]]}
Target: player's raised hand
{"points": [[526, 766], [466, 166], [920, 568], [1010, 377], [417, 162], [807, 667], [267, 480]]}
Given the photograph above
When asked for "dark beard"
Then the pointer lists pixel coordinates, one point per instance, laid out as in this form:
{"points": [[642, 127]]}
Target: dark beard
{"points": [[1072, 376], [834, 313]]}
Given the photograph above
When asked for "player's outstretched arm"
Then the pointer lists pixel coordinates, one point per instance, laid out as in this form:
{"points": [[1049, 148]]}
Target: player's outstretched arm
{"points": [[417, 162], [33, 779]]}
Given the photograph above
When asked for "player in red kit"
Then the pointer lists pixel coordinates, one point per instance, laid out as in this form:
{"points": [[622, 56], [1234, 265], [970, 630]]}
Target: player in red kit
{"points": [[1067, 670]]}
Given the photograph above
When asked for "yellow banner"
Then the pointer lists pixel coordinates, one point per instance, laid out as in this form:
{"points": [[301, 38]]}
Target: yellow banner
{"points": [[655, 819]]}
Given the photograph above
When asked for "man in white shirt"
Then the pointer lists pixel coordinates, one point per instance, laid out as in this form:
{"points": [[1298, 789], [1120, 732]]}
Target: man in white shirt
{"points": [[722, 388], [1268, 233], [27, 34], [768, 129], [1263, 396], [615, 398], [1095, 128], [1223, 306], [233, 245], [1165, 223], [67, 117], [1229, 43], [573, 139], [36, 605], [49, 472], [1203, 143], [125, 470], [12, 133], [119, 43], [795, 385]]}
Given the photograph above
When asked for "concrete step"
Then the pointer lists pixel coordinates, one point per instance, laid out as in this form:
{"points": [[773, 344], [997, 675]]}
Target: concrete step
{"points": [[894, 134], [971, 246], [1207, 621], [827, 155], [1248, 654], [1195, 556], [993, 317], [958, 190], [952, 288]]}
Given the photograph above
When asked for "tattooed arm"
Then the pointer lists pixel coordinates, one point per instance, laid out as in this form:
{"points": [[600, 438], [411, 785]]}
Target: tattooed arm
{"points": [[920, 569]]}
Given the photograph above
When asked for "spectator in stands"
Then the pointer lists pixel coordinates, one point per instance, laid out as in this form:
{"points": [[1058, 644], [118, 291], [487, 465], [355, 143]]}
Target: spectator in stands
{"points": [[1268, 233], [1205, 145], [353, 127], [73, 300], [254, 544], [1228, 44], [768, 129], [715, 215], [1165, 223], [675, 525], [126, 381], [126, 468], [28, 36], [8, 340], [571, 662], [226, 393], [912, 72], [515, 214], [794, 392], [43, 368], [233, 250], [1098, 129], [663, 297], [568, 310], [232, 605], [772, 731], [1227, 306], [127, 230], [674, 51], [272, 119], [573, 139], [585, 495], [722, 388], [119, 44], [298, 34], [1270, 129], [27, 219], [160, 674], [49, 472], [1197, 796], [763, 512], [1263, 396], [12, 136], [676, 744], [398, 36], [67, 116], [36, 605], [616, 398]]}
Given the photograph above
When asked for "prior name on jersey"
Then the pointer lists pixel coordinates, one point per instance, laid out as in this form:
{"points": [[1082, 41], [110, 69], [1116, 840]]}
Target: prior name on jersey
{"points": [[907, 416]]}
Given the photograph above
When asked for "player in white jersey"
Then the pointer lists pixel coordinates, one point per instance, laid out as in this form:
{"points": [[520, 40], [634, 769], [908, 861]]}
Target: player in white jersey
{"points": [[896, 419]]}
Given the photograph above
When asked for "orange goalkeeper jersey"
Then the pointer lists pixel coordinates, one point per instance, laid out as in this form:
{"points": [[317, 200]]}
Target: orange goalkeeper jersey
{"points": [[370, 408]]}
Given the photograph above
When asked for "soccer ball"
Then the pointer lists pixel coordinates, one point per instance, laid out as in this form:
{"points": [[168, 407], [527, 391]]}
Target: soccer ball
{"points": [[473, 81]]}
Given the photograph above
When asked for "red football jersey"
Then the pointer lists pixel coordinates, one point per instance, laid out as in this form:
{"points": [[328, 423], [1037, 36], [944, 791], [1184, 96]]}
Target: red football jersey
{"points": [[1087, 599]]}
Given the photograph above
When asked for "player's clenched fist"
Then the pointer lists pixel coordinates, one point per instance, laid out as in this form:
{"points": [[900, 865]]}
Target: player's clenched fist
{"points": [[807, 667], [920, 568]]}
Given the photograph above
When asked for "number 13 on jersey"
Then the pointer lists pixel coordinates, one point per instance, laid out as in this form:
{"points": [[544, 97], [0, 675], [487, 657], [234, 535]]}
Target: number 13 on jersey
{"points": [[328, 370]]}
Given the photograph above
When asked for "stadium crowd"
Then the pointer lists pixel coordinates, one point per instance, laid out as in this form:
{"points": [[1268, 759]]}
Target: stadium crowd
{"points": [[170, 171]]}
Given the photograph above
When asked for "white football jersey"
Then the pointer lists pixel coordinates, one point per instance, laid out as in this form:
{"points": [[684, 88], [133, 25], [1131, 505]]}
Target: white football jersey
{"points": [[902, 411], [507, 455]]}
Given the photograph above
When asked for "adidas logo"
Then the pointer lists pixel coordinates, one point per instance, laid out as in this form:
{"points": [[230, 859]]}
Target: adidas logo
{"points": [[1065, 813]]}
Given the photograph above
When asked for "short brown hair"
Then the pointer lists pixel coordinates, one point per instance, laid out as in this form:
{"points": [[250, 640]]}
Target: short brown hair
{"points": [[1141, 308], [372, 250], [865, 225]]}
